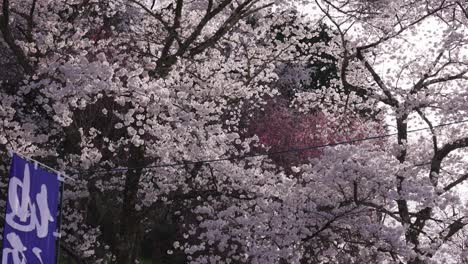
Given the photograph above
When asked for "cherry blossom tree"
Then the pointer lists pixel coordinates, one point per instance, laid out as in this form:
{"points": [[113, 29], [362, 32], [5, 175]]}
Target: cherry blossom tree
{"points": [[102, 84], [287, 133], [399, 203], [93, 86], [417, 74]]}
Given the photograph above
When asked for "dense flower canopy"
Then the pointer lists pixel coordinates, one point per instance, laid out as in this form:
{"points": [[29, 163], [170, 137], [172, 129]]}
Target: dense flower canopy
{"points": [[89, 86]]}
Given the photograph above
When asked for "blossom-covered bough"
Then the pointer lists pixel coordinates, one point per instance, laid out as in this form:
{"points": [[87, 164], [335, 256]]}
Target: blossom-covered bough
{"points": [[91, 86], [411, 57], [104, 84]]}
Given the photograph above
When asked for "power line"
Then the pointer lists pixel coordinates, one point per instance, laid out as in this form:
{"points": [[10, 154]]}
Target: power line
{"points": [[184, 163]]}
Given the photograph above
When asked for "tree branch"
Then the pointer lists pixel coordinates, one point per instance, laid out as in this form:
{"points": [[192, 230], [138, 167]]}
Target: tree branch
{"points": [[453, 228], [464, 10], [431, 127], [31, 18], [446, 78], [403, 29], [441, 154], [420, 84], [389, 100], [451, 185], [9, 39], [242, 11], [210, 14]]}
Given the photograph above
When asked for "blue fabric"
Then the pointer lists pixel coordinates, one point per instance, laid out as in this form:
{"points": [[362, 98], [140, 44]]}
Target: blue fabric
{"points": [[31, 214]]}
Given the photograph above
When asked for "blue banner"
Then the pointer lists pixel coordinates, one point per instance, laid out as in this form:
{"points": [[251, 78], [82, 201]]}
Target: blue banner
{"points": [[29, 234]]}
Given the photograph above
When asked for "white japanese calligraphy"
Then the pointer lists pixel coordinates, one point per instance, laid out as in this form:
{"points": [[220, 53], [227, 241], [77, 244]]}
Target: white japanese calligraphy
{"points": [[37, 252], [24, 210], [16, 251]]}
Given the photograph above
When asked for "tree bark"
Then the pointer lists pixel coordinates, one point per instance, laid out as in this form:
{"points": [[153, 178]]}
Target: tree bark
{"points": [[127, 238]]}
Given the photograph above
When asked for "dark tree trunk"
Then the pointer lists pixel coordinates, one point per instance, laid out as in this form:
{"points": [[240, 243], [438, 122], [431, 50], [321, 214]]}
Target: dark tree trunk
{"points": [[128, 236]]}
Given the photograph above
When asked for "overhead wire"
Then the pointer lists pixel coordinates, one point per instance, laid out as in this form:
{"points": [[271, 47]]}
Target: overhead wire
{"points": [[184, 163]]}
